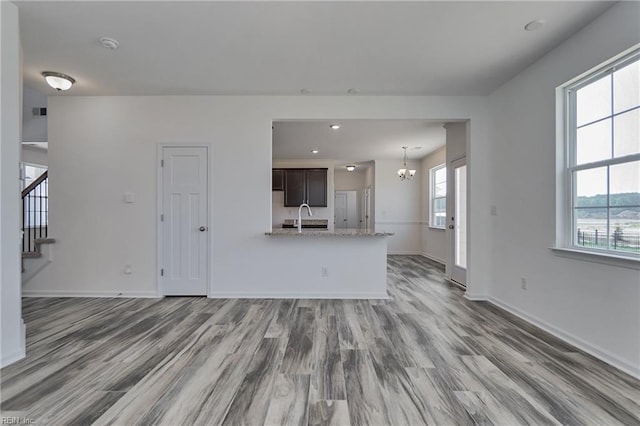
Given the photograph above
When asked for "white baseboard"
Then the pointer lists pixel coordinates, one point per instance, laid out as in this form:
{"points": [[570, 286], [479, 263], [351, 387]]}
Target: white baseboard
{"points": [[272, 295], [601, 354], [64, 293], [407, 253], [20, 352], [434, 258], [475, 297]]}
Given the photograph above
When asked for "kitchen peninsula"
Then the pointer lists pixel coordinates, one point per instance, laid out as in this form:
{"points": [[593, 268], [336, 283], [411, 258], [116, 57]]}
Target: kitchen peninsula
{"points": [[334, 264], [324, 261]]}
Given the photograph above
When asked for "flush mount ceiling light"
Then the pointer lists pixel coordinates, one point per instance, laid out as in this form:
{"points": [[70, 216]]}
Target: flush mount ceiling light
{"points": [[535, 25], [314, 151], [404, 173], [58, 80], [335, 126], [351, 167], [109, 43]]}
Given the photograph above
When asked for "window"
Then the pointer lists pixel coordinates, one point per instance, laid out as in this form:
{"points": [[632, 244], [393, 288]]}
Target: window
{"points": [[29, 173], [603, 159], [438, 196], [36, 203]]}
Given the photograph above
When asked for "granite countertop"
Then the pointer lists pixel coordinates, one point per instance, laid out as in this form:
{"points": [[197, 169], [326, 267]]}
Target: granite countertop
{"points": [[326, 233]]}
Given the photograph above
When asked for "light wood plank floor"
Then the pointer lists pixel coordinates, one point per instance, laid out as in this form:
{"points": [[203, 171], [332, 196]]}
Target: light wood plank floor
{"points": [[426, 356]]}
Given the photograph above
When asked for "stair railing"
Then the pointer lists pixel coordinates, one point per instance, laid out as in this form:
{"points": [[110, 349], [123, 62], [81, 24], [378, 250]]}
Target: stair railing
{"points": [[35, 211]]}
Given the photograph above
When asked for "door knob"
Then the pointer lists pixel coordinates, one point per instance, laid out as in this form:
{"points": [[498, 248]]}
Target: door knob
{"points": [[202, 228], [450, 226]]}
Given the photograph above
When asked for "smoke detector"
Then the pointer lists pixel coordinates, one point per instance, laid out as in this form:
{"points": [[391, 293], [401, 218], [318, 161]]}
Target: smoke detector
{"points": [[109, 43]]}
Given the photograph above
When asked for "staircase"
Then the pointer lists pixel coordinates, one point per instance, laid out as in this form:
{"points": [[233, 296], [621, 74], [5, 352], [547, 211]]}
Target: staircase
{"points": [[37, 252], [35, 230]]}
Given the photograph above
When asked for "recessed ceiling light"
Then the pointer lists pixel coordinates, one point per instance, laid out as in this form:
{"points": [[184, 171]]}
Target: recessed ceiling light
{"points": [[58, 80], [335, 126], [535, 25], [351, 167], [314, 151], [353, 91], [109, 43]]}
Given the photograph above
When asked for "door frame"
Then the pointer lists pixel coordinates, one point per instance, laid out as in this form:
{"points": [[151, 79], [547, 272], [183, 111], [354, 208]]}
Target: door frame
{"points": [[159, 240], [451, 211]]}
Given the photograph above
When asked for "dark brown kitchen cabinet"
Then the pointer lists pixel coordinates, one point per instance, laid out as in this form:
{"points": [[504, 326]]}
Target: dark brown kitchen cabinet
{"points": [[305, 186], [277, 180]]}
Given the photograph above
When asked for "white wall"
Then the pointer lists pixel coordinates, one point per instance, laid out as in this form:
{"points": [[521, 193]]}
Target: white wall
{"points": [[349, 181], [33, 155], [593, 305], [280, 212], [434, 241], [104, 146], [397, 206], [12, 340], [34, 129]]}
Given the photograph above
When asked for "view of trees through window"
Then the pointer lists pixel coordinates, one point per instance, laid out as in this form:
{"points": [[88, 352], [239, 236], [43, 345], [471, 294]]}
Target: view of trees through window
{"points": [[606, 160]]}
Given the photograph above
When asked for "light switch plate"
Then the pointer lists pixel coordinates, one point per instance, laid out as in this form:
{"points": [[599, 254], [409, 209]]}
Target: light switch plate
{"points": [[128, 197]]}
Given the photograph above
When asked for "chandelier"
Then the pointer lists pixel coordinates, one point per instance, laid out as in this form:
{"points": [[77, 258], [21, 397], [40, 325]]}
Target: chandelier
{"points": [[404, 173]]}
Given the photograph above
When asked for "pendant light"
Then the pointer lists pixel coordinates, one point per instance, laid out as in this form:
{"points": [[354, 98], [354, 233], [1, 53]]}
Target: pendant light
{"points": [[404, 173]]}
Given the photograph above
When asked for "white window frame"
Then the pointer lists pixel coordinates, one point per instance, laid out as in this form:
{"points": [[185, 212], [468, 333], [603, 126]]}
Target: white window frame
{"points": [[566, 166], [432, 198]]}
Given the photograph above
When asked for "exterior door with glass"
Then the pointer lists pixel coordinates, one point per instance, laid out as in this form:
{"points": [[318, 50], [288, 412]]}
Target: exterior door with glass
{"points": [[457, 219]]}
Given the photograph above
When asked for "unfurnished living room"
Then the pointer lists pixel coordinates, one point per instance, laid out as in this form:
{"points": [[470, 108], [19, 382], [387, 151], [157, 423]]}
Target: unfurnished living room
{"points": [[320, 212]]}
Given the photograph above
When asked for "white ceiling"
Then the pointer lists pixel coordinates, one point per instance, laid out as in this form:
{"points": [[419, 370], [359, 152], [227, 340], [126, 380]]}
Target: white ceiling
{"points": [[357, 141], [202, 47]]}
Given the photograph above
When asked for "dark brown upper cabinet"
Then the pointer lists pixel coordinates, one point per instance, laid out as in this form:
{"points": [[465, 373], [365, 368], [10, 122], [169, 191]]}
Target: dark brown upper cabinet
{"points": [[305, 186], [277, 180]]}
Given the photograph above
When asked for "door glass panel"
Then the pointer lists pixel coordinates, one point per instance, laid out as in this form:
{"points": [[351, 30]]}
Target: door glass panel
{"points": [[461, 216]]}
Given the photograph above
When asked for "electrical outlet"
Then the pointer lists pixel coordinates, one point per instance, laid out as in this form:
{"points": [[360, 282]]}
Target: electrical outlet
{"points": [[494, 210], [325, 272], [128, 269], [523, 283]]}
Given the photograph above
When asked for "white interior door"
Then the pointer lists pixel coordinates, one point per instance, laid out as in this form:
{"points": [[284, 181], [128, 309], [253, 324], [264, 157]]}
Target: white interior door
{"points": [[458, 220], [340, 210], [185, 226]]}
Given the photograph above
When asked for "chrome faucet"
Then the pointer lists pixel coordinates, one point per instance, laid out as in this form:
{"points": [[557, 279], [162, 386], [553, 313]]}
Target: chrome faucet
{"points": [[300, 215]]}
